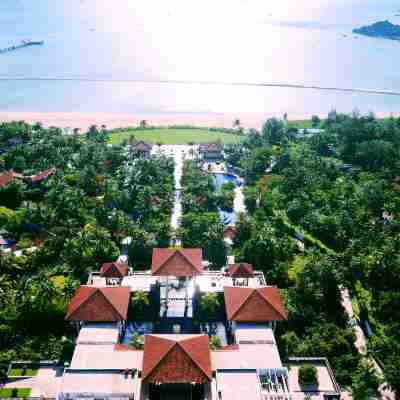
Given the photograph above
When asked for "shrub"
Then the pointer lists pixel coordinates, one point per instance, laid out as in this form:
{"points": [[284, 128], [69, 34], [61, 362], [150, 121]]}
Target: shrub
{"points": [[308, 375], [136, 341], [215, 343]]}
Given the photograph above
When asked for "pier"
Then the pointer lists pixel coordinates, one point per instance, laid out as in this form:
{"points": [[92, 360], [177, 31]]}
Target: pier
{"points": [[22, 44]]}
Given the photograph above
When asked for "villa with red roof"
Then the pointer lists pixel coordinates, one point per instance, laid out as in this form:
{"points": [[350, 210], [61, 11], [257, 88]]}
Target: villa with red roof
{"points": [[169, 353], [42, 176], [114, 272], [8, 177]]}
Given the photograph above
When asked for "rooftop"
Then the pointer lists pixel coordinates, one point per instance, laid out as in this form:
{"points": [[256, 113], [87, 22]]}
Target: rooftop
{"points": [[244, 304], [177, 262], [98, 333], [8, 177], [176, 359], [98, 382], [99, 304], [114, 270]]}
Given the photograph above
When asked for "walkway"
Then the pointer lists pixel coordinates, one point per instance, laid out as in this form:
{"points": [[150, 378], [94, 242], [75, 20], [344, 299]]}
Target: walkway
{"points": [[179, 153], [238, 202], [361, 343]]}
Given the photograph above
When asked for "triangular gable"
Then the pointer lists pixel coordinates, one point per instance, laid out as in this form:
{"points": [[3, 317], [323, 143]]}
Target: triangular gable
{"points": [[256, 309], [95, 307], [182, 361], [241, 270], [177, 367], [113, 270], [177, 265]]}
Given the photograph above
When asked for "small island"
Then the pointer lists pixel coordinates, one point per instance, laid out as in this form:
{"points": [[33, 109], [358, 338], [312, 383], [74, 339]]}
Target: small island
{"points": [[382, 29]]}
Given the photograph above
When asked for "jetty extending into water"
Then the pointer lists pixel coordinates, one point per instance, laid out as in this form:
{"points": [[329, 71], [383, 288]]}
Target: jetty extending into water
{"points": [[22, 44]]}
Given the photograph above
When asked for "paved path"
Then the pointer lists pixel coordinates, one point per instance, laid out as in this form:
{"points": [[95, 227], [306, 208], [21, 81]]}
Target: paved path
{"points": [[361, 343], [179, 153], [238, 202]]}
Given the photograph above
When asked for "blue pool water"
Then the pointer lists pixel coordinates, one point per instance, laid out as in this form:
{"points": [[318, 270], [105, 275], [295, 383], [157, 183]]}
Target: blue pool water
{"points": [[220, 179], [227, 217]]}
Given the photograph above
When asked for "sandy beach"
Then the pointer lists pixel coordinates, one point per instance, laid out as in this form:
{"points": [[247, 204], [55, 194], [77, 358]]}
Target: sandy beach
{"points": [[120, 120]]}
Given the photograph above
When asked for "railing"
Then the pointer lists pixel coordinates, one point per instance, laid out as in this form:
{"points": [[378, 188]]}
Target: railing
{"points": [[276, 396]]}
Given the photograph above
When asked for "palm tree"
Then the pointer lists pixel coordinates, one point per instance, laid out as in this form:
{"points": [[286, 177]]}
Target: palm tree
{"points": [[209, 304], [136, 341], [215, 343], [140, 300]]}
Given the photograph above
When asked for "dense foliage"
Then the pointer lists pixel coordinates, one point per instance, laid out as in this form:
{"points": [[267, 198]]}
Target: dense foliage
{"points": [[336, 193], [201, 225], [68, 225]]}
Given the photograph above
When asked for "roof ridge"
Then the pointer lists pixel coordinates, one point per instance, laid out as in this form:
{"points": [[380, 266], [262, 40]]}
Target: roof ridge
{"points": [[84, 301], [243, 303], [195, 361], [162, 356], [172, 255], [267, 300], [111, 304]]}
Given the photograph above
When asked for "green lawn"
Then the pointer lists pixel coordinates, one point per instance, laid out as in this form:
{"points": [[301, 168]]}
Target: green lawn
{"points": [[176, 136], [19, 372], [8, 392]]}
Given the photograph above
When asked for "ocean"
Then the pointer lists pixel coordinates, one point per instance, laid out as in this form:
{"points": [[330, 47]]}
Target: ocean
{"points": [[130, 46]]}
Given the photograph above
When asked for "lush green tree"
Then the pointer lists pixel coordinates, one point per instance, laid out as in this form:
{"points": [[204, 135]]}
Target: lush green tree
{"points": [[273, 131], [365, 383], [308, 375]]}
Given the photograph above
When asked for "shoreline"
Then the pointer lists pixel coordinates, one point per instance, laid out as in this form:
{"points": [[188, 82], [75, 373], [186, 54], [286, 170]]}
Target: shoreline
{"points": [[122, 120]]}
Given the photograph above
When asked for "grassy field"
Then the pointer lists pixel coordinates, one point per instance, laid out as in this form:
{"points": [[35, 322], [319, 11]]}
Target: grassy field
{"points": [[8, 392], [176, 136]]}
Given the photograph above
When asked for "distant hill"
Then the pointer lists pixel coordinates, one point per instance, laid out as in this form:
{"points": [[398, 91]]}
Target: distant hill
{"points": [[382, 29]]}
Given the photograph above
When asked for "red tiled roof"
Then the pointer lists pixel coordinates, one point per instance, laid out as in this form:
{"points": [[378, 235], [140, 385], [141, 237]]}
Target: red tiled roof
{"points": [[176, 360], [241, 270], [7, 177], [230, 232], [177, 262], [114, 270], [99, 304], [43, 175], [254, 305]]}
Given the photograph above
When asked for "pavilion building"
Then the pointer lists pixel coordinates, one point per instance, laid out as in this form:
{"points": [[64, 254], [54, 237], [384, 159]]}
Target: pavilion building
{"points": [[174, 365]]}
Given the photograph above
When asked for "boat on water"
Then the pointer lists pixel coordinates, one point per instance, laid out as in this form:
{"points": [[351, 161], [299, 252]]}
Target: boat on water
{"points": [[22, 44]]}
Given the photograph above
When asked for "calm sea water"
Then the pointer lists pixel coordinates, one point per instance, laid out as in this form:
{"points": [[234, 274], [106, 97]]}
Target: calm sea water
{"points": [[293, 41]]}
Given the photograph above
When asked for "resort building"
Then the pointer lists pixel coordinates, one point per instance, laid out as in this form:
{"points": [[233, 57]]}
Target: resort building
{"points": [[179, 331], [211, 151], [163, 348], [141, 148], [41, 176], [8, 177]]}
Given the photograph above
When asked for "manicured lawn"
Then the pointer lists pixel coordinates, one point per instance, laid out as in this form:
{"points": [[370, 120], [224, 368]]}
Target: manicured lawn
{"points": [[176, 136], [19, 372], [8, 392]]}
